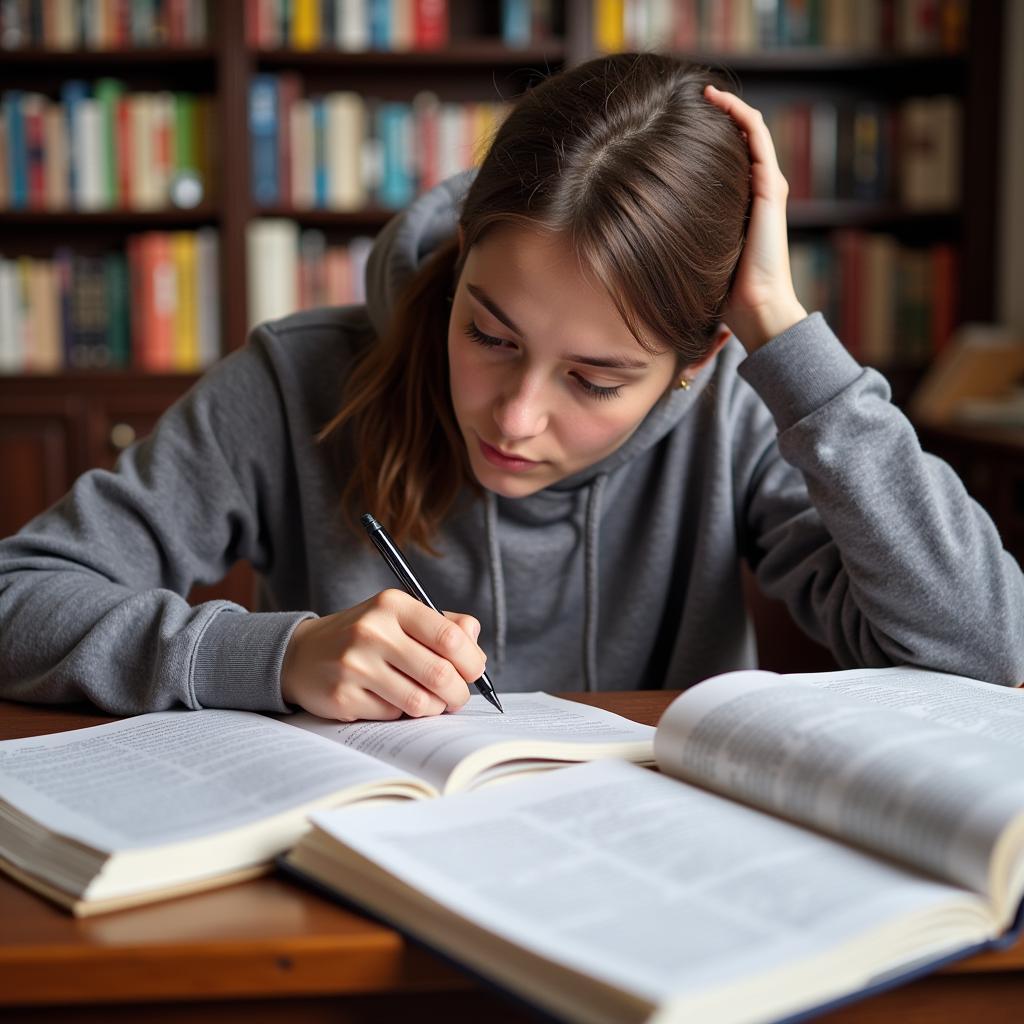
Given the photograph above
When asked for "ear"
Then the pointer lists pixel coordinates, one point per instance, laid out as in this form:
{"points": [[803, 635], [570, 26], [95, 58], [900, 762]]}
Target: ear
{"points": [[722, 335]]}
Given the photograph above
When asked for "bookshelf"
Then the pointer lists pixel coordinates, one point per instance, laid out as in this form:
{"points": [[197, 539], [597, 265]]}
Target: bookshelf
{"points": [[54, 426]]}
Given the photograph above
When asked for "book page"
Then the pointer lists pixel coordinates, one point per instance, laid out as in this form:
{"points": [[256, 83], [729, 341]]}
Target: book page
{"points": [[967, 705], [913, 782], [640, 880], [174, 775], [534, 725]]}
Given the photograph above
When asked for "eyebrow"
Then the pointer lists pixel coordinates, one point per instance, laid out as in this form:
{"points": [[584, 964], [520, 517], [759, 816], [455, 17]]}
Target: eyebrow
{"points": [[609, 362]]}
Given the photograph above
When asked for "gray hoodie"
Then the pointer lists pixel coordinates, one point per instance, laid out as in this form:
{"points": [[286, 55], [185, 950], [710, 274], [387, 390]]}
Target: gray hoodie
{"points": [[626, 575]]}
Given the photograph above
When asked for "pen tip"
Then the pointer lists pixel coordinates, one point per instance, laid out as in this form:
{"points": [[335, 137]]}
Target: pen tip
{"points": [[368, 521]]}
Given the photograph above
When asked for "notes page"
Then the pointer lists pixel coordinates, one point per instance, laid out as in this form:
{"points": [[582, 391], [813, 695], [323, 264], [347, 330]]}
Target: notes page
{"points": [[646, 883], [906, 770], [449, 750], [174, 775]]}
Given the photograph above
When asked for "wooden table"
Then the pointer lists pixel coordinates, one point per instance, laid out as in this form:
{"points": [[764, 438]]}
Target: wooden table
{"points": [[268, 950]]}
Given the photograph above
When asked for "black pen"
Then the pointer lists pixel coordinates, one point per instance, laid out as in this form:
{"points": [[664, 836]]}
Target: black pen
{"points": [[412, 586]]}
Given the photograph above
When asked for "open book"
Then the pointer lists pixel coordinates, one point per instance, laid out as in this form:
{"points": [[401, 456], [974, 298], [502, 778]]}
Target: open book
{"points": [[172, 802], [809, 838]]}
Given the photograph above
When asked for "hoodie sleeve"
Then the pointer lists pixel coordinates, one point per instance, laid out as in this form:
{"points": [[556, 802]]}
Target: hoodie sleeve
{"points": [[890, 561], [92, 591]]}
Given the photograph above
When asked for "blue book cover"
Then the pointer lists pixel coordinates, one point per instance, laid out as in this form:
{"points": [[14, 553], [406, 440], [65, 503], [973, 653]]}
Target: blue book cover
{"points": [[515, 23], [17, 154], [393, 130], [320, 143], [263, 129], [379, 22]]}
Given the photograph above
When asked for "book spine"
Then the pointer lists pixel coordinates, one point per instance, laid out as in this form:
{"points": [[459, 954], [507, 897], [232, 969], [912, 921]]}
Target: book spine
{"points": [[185, 345], [118, 328], [431, 24], [263, 139], [33, 113], [345, 131], [379, 24], [320, 145], [305, 27], [16, 149], [515, 23], [108, 96]]}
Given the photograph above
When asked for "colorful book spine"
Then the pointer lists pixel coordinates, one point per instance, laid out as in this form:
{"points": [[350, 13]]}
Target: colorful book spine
{"points": [[263, 139]]}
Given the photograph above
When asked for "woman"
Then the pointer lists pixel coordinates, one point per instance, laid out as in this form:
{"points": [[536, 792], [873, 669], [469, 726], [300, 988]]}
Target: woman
{"points": [[582, 391]]}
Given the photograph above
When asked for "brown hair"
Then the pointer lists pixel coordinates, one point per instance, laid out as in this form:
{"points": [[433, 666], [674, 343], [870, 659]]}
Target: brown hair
{"points": [[650, 184]]}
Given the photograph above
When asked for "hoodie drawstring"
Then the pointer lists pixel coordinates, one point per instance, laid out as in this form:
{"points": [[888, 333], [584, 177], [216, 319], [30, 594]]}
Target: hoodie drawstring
{"points": [[497, 576], [591, 591]]}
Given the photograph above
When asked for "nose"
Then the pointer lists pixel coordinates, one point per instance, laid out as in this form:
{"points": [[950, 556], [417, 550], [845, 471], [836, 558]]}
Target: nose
{"points": [[520, 412]]}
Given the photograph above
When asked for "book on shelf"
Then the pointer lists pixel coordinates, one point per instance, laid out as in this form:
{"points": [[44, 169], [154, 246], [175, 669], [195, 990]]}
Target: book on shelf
{"points": [[349, 25], [155, 306], [87, 25], [102, 147], [747, 26], [871, 152], [164, 803], [291, 269], [808, 840], [891, 304], [343, 151]]}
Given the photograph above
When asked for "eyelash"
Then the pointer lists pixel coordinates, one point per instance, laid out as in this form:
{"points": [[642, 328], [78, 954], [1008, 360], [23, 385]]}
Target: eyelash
{"points": [[591, 390]]}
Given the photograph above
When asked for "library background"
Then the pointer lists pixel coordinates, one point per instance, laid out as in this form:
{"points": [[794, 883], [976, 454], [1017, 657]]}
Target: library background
{"points": [[174, 171]]}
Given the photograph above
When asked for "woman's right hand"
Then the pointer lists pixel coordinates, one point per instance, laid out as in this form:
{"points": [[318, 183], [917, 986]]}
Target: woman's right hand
{"points": [[389, 656]]}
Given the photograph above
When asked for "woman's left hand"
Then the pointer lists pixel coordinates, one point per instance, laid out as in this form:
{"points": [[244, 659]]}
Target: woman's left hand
{"points": [[762, 302]]}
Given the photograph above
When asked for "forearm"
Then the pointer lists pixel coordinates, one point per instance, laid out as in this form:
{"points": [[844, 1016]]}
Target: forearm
{"points": [[917, 573]]}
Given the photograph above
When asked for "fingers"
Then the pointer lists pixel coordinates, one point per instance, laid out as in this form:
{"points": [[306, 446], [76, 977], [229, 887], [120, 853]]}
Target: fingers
{"points": [[750, 122], [433, 650]]}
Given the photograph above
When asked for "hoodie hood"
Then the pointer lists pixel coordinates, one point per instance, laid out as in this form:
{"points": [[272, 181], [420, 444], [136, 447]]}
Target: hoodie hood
{"points": [[399, 249]]}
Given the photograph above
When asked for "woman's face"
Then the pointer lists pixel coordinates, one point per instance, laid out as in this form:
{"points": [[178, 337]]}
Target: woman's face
{"points": [[545, 377]]}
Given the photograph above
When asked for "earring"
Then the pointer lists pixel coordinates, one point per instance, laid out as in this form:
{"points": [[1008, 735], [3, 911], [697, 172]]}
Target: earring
{"points": [[684, 384]]}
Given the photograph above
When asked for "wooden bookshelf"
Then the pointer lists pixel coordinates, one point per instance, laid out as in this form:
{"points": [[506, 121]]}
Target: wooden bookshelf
{"points": [[63, 425]]}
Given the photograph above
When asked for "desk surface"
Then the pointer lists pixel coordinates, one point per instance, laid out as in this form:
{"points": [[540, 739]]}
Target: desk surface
{"points": [[225, 952]]}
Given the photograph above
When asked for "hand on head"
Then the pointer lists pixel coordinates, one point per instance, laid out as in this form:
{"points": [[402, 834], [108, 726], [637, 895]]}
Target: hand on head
{"points": [[762, 302]]}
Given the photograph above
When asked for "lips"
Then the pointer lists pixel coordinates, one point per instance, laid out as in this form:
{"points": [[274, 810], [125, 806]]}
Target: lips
{"points": [[498, 458]]}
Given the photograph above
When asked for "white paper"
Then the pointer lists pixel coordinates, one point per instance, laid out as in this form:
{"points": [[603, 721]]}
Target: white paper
{"points": [[638, 879], [172, 775], [909, 783], [432, 747]]}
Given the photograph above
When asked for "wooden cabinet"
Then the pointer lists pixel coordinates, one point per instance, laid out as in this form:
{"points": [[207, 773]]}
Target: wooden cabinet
{"points": [[52, 429]]}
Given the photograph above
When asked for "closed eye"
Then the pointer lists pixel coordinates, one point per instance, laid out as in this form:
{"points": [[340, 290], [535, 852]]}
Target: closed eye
{"points": [[589, 389]]}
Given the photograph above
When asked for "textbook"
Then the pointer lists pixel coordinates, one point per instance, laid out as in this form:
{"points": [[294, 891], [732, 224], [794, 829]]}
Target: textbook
{"points": [[808, 839], [177, 801]]}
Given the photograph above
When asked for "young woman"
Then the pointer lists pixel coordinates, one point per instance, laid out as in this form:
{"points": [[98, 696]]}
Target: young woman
{"points": [[581, 393]]}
